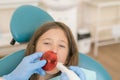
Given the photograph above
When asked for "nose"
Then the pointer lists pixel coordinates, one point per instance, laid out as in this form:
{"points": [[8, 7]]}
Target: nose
{"points": [[54, 48]]}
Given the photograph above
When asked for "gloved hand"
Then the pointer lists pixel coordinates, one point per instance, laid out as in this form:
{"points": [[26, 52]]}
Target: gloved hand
{"points": [[28, 66], [75, 69]]}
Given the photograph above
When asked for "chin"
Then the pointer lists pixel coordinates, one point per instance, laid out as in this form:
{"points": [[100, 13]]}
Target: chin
{"points": [[53, 71]]}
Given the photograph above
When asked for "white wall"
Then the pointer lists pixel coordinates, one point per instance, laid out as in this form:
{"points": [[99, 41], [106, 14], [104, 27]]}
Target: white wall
{"points": [[88, 15], [7, 8]]}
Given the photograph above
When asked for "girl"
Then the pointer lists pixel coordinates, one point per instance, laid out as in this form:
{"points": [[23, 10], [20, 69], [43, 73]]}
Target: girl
{"points": [[57, 37]]}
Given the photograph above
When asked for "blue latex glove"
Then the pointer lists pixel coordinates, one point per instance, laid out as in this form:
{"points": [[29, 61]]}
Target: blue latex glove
{"points": [[77, 70], [28, 66]]}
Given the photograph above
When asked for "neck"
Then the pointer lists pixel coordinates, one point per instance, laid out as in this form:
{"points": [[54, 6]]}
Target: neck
{"points": [[46, 77]]}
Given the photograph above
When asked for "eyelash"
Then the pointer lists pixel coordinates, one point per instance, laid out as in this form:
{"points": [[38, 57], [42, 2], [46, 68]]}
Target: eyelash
{"points": [[62, 46], [47, 43]]}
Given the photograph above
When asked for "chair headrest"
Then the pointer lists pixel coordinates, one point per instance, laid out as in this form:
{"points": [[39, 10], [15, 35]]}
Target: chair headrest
{"points": [[25, 20]]}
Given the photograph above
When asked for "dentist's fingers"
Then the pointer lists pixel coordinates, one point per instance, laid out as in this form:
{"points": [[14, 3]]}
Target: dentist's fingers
{"points": [[34, 56]]}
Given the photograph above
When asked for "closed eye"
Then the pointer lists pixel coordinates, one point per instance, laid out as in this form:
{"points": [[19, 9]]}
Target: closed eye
{"points": [[62, 46], [46, 43]]}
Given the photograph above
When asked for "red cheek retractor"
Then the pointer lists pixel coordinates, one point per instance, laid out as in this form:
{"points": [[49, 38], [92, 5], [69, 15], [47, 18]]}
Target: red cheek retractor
{"points": [[52, 62], [51, 59]]}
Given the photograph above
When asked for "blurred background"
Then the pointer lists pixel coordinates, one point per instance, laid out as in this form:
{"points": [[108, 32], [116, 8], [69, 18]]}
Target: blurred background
{"points": [[95, 25]]}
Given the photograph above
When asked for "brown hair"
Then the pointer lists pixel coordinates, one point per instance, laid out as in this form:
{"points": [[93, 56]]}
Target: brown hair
{"points": [[72, 58]]}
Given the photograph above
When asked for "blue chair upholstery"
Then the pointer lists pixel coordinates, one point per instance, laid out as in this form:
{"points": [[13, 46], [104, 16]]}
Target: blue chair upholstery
{"points": [[89, 63], [9, 63], [24, 22]]}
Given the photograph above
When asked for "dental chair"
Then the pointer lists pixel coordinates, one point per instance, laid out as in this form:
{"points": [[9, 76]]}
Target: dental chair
{"points": [[25, 20]]}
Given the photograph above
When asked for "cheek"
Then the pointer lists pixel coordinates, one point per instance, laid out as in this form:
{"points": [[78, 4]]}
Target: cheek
{"points": [[41, 48], [62, 57]]}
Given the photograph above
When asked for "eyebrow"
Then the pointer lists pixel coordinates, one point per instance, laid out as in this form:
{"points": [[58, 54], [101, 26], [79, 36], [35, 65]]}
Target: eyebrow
{"points": [[46, 39], [51, 39], [63, 41]]}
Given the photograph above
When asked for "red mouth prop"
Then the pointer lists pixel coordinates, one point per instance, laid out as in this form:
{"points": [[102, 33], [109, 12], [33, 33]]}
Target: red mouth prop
{"points": [[51, 59]]}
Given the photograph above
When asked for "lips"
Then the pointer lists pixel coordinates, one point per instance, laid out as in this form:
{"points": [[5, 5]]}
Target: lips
{"points": [[51, 59]]}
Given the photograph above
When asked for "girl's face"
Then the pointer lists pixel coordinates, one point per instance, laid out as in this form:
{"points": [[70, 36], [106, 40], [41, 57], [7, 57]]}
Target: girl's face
{"points": [[56, 41]]}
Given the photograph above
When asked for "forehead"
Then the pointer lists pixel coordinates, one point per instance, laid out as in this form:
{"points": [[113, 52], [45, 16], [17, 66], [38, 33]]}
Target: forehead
{"points": [[54, 33]]}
